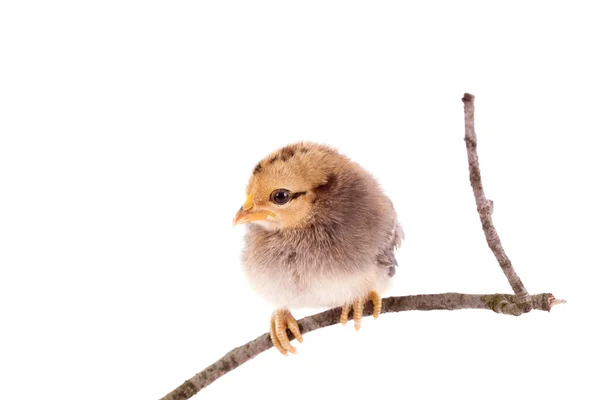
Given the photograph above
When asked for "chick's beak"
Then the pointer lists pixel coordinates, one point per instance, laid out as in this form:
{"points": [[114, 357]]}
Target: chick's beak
{"points": [[245, 213]]}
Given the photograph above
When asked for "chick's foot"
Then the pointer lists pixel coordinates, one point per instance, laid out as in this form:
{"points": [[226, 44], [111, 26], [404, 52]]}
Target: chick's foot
{"points": [[281, 320], [358, 305]]}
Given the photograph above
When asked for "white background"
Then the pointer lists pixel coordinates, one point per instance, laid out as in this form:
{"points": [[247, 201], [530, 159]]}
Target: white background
{"points": [[129, 130]]}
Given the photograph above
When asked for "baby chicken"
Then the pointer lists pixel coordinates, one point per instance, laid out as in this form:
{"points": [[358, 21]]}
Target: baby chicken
{"points": [[321, 233]]}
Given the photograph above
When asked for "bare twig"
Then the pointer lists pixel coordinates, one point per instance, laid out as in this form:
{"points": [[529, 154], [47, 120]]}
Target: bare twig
{"points": [[500, 303], [485, 208]]}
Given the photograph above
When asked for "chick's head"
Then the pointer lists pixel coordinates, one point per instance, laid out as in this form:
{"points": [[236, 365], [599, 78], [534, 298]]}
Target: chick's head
{"points": [[284, 186]]}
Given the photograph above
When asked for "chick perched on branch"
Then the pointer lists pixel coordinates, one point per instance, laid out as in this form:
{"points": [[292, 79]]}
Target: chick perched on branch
{"points": [[321, 233]]}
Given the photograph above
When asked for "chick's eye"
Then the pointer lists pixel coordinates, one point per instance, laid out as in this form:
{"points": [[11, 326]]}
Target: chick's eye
{"points": [[280, 196]]}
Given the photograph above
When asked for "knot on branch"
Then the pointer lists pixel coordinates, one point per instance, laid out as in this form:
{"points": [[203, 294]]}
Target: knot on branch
{"points": [[487, 208], [506, 304], [523, 300]]}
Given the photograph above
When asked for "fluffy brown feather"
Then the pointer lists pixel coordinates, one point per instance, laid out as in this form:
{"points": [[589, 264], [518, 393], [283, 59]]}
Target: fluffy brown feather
{"points": [[334, 241]]}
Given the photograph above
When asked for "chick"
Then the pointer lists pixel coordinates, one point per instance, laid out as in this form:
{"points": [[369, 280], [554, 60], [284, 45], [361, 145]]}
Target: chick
{"points": [[321, 233]]}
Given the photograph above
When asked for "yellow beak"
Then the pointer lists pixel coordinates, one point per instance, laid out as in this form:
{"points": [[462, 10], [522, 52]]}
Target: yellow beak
{"points": [[245, 213]]}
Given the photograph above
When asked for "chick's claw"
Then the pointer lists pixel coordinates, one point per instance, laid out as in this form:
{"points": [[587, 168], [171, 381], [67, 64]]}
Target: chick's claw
{"points": [[281, 320]]}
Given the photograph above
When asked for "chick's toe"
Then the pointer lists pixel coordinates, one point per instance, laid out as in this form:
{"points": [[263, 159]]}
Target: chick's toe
{"points": [[376, 299], [358, 305], [345, 312]]}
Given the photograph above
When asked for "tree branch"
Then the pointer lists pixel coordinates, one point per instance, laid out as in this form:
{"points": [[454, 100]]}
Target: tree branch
{"points": [[485, 208], [500, 303]]}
